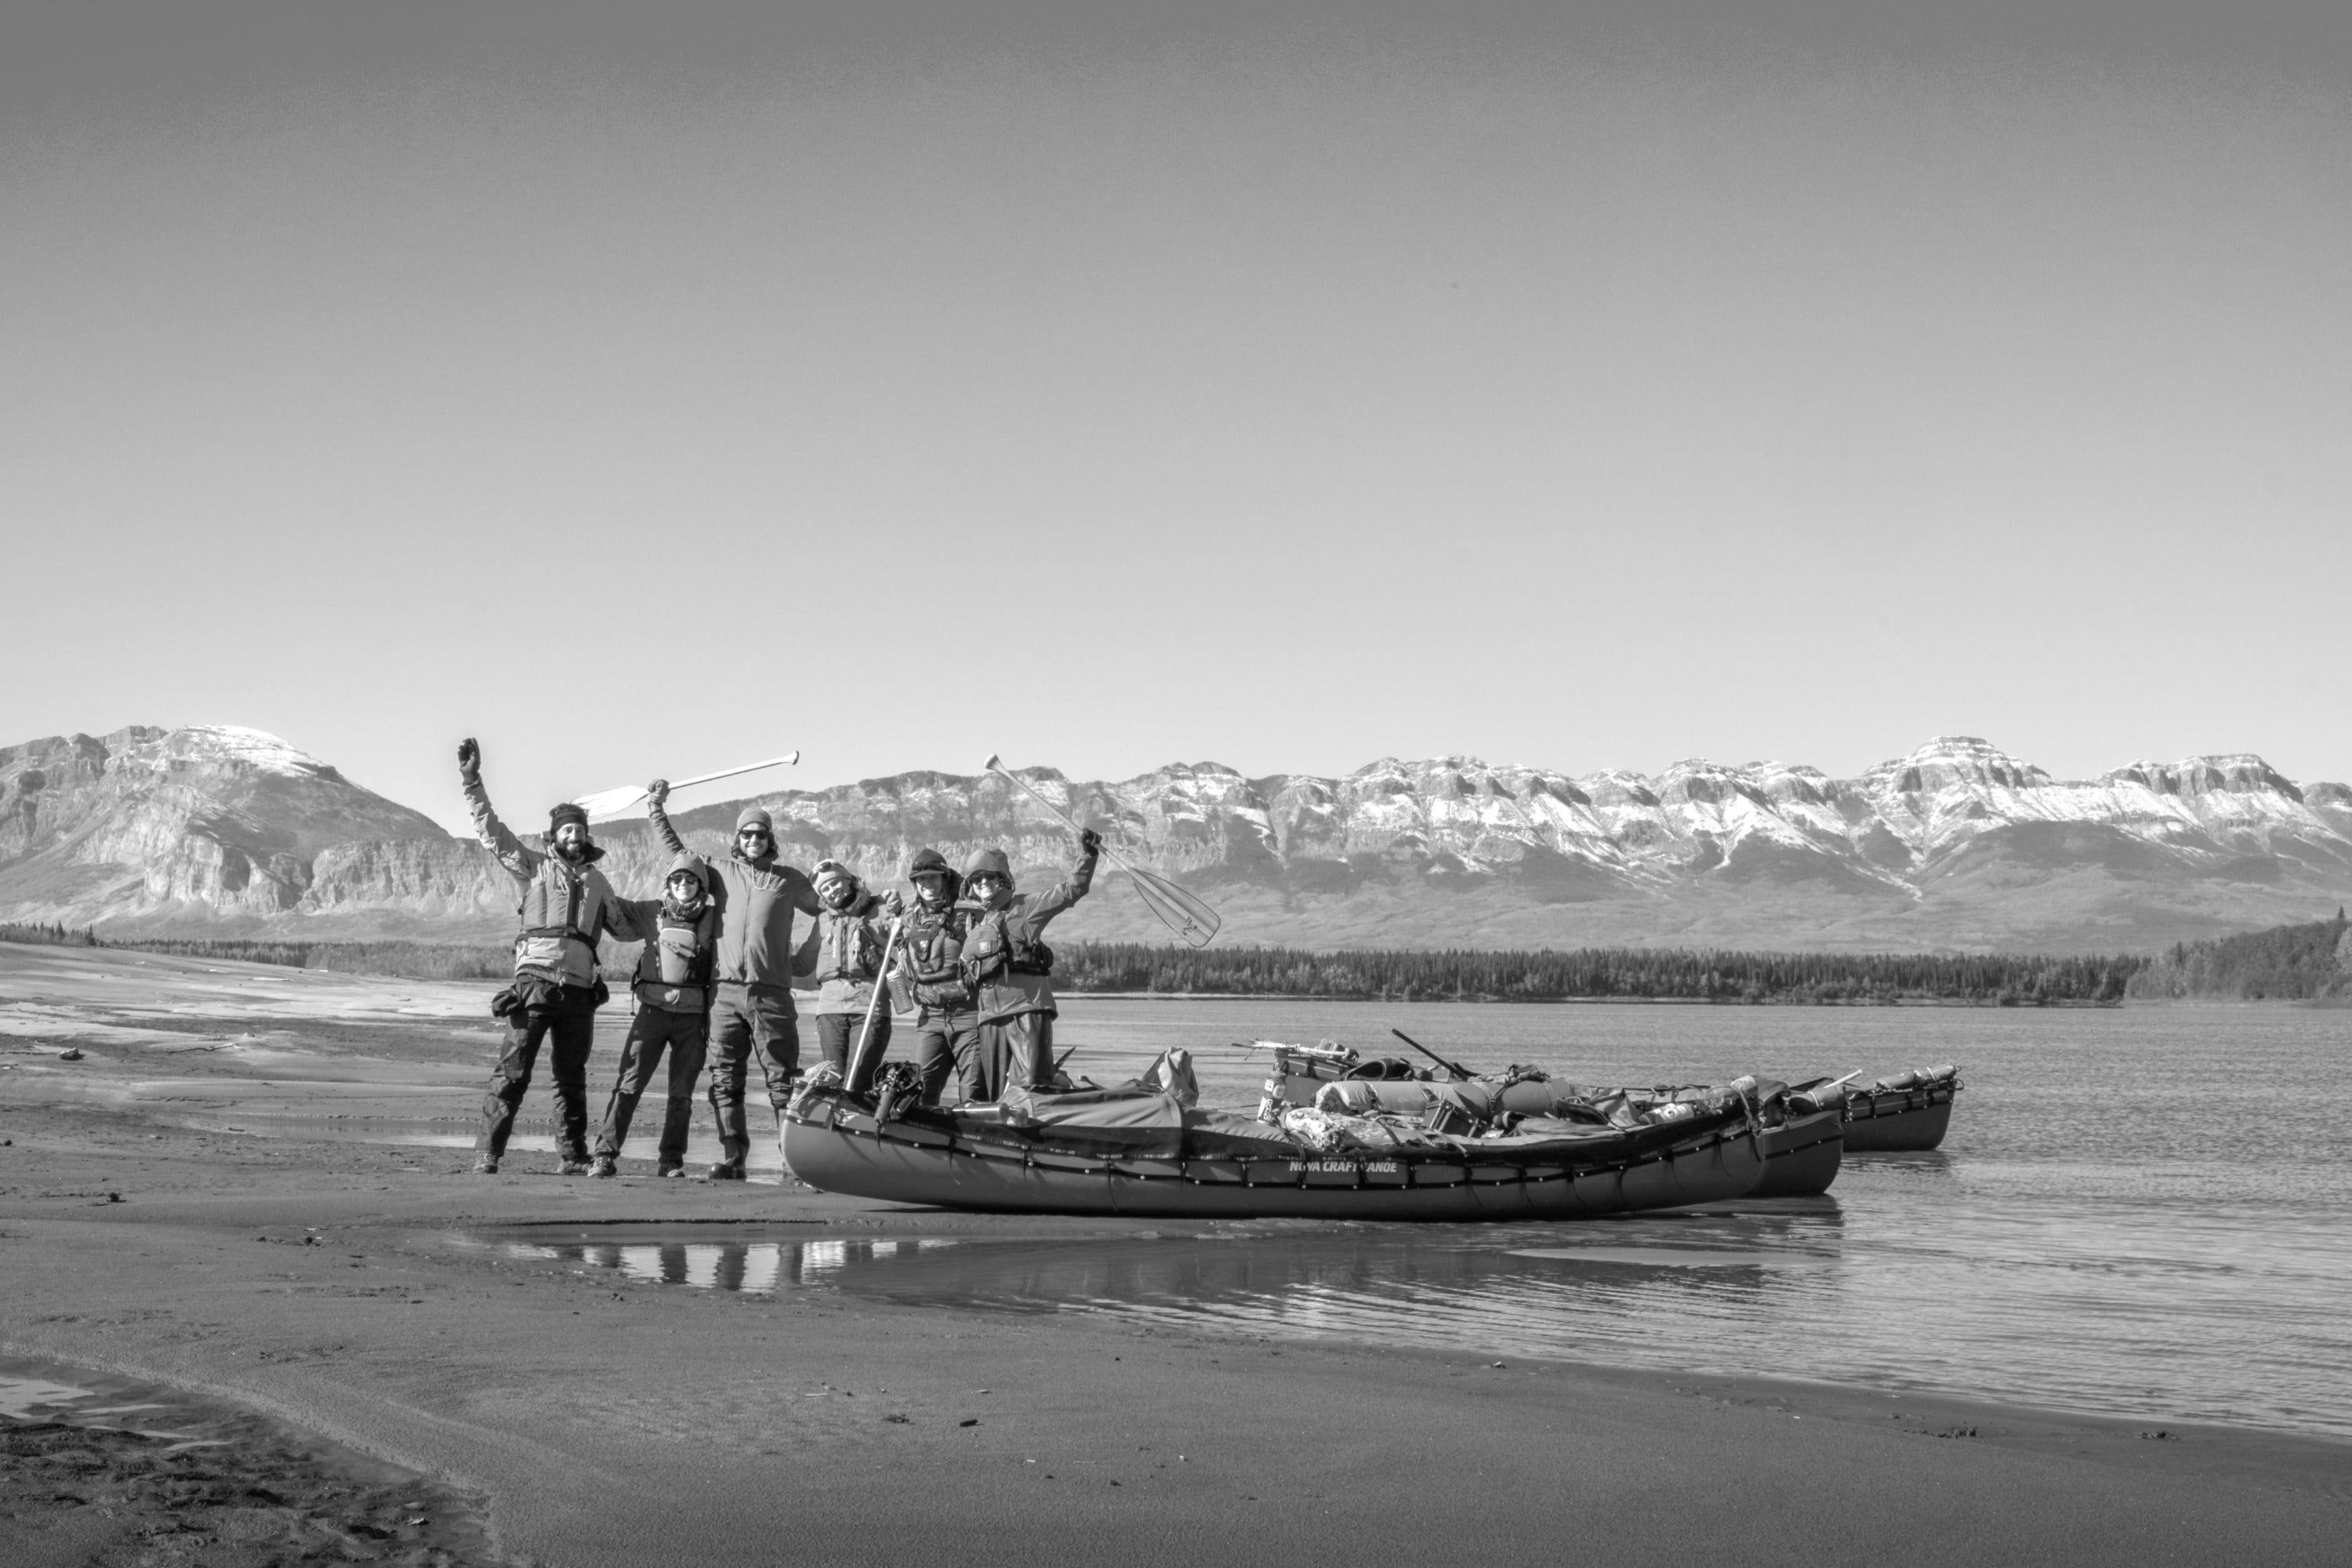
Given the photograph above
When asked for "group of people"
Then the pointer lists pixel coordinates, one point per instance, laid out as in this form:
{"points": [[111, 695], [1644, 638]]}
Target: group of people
{"points": [[714, 980]]}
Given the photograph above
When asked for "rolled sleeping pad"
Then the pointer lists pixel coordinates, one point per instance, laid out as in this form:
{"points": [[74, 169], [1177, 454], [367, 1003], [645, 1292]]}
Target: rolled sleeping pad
{"points": [[1363, 1096]]}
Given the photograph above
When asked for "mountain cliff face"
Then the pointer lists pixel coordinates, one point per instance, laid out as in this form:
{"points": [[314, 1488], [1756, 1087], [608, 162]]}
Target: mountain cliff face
{"points": [[1956, 845], [211, 821]]}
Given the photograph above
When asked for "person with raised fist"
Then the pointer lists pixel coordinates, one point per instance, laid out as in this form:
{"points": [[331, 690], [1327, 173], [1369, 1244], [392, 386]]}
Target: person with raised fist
{"points": [[567, 906], [1010, 967]]}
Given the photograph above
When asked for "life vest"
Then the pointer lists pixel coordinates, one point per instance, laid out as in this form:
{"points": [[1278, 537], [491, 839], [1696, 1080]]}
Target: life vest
{"points": [[933, 946], [847, 948], [995, 944], [563, 910], [674, 969]]}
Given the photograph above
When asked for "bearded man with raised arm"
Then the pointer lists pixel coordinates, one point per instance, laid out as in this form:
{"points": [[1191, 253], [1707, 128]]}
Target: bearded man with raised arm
{"points": [[751, 1013], [567, 906]]}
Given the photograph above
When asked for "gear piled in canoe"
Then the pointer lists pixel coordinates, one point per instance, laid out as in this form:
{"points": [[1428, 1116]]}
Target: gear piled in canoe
{"points": [[1798, 1130], [1150, 1148]]}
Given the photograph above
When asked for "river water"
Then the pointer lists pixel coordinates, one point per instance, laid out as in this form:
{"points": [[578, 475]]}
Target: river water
{"points": [[2144, 1212]]}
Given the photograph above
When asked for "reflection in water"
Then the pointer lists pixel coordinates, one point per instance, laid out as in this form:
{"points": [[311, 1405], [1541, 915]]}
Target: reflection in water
{"points": [[754, 1267], [1801, 1287]]}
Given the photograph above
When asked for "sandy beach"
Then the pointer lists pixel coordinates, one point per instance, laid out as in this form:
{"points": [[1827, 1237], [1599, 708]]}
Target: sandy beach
{"points": [[590, 1417]]}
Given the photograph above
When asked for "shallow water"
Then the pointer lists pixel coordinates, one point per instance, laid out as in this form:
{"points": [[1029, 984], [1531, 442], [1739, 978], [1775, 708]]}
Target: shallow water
{"points": [[2139, 1212]]}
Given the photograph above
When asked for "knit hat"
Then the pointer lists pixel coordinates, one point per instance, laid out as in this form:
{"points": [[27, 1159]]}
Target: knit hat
{"points": [[929, 863], [754, 816], [986, 863], [568, 812]]}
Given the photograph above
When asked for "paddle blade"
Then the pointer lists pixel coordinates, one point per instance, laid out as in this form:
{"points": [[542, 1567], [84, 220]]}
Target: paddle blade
{"points": [[604, 803], [1194, 921]]}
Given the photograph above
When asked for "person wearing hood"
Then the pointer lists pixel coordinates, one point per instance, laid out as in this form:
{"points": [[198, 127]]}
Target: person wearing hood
{"points": [[680, 932], [930, 968], [843, 954], [751, 1011], [567, 906], [1009, 966]]}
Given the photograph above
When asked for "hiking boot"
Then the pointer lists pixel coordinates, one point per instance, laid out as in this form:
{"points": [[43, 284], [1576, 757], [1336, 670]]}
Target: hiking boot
{"points": [[486, 1165], [602, 1166], [573, 1168], [727, 1171], [671, 1171]]}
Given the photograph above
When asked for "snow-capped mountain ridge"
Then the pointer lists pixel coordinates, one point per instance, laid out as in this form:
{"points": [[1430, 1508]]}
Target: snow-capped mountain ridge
{"points": [[1958, 844]]}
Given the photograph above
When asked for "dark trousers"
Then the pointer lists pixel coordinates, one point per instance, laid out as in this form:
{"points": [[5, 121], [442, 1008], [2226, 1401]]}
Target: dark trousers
{"points": [[1016, 1050], [745, 1024], [652, 1032], [948, 1043], [836, 1037], [567, 1022]]}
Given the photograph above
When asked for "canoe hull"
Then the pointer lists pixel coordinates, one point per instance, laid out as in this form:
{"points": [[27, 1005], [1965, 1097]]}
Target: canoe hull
{"points": [[1897, 1129], [1801, 1156], [832, 1143]]}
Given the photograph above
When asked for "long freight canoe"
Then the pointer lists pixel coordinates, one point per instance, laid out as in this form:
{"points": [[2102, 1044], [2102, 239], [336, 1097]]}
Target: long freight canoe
{"points": [[1171, 1161], [1802, 1136]]}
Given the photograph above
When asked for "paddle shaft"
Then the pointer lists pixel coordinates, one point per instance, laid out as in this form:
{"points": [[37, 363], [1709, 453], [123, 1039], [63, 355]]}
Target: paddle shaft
{"points": [[865, 1033], [1456, 1069], [790, 759], [1056, 812]]}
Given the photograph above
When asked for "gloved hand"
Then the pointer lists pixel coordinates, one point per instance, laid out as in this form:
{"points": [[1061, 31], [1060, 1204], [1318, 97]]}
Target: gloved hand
{"points": [[1089, 842], [895, 904], [658, 792], [469, 760]]}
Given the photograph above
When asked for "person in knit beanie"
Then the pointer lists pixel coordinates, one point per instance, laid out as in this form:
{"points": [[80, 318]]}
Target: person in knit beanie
{"points": [[928, 970], [756, 895], [567, 906]]}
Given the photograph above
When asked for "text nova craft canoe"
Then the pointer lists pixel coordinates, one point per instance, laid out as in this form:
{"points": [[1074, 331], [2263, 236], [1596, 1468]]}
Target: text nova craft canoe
{"points": [[911, 1154]]}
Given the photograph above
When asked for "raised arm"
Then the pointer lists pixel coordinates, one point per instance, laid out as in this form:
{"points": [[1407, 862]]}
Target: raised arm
{"points": [[1062, 895], [497, 837], [657, 796]]}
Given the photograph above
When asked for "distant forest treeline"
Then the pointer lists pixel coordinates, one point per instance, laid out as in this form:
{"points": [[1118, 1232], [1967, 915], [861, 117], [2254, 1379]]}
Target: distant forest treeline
{"points": [[50, 935], [2026, 980], [1596, 974], [2300, 963]]}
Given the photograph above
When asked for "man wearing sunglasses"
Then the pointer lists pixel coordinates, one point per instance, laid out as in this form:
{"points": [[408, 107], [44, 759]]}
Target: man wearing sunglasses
{"points": [[751, 1013]]}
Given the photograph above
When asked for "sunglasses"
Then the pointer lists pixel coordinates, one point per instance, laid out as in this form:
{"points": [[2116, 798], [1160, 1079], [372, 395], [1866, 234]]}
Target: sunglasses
{"points": [[986, 881], [751, 833]]}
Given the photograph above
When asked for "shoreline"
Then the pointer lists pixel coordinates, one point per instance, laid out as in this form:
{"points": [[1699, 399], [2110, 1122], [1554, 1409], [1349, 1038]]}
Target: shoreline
{"points": [[313, 1282], [598, 1418]]}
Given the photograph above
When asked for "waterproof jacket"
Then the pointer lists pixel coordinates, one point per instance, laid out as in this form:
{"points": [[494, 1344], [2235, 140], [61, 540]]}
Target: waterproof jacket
{"points": [[930, 949], [755, 900], [996, 935], [843, 954], [565, 908]]}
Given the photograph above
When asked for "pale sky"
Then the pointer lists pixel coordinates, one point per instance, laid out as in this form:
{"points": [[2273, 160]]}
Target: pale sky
{"points": [[1109, 385]]}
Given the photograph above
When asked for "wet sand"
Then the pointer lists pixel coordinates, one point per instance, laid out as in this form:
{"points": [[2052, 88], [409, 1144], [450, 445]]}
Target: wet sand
{"points": [[601, 1419]]}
